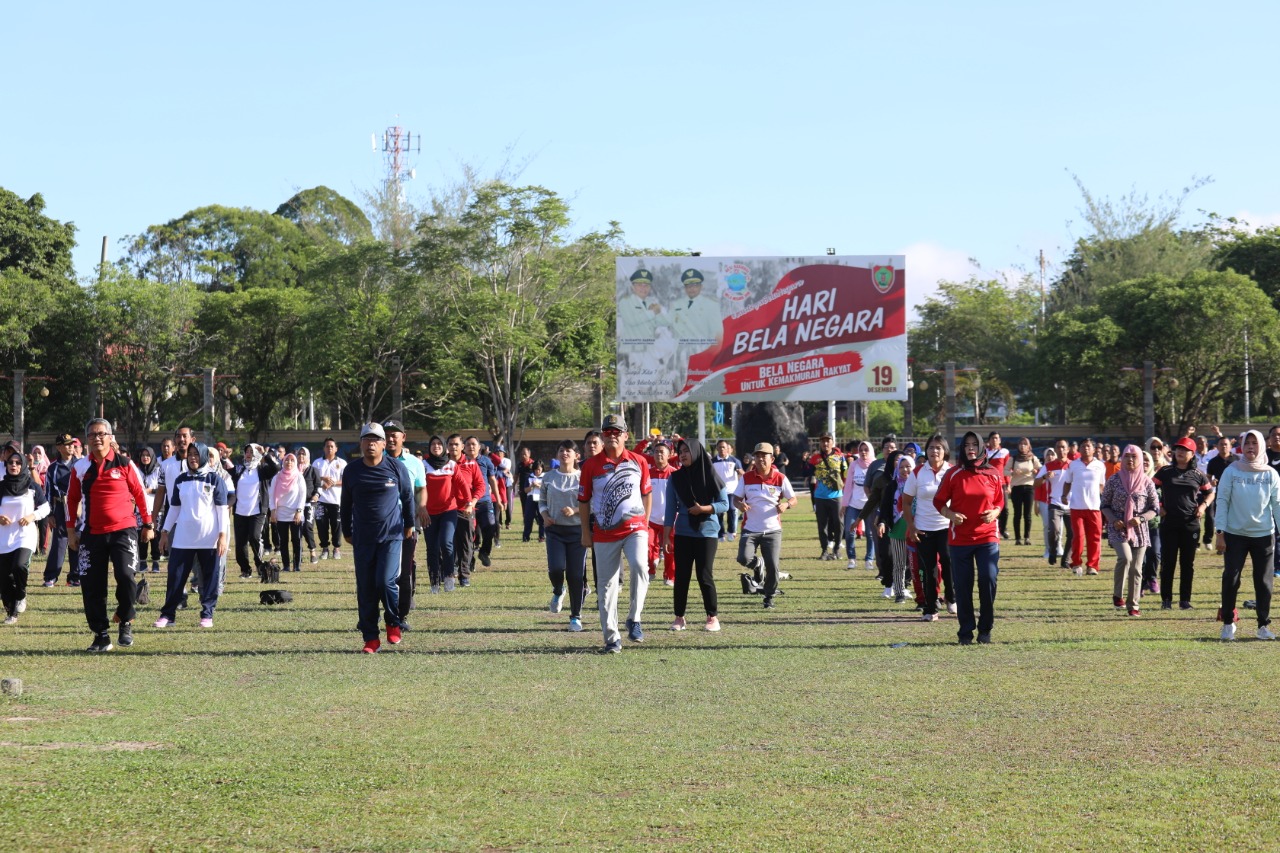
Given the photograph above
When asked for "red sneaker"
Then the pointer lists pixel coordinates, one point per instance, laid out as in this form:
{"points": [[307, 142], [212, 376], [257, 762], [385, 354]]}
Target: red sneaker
{"points": [[393, 634], [372, 646], [1133, 611]]}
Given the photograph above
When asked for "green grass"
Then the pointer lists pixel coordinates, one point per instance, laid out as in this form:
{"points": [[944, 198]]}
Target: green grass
{"points": [[491, 728]]}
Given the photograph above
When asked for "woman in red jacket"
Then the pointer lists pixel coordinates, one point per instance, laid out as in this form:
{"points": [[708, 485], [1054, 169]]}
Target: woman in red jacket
{"points": [[971, 496]]}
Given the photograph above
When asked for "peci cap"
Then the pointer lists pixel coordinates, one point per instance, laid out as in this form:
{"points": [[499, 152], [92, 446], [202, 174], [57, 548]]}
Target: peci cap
{"points": [[64, 438], [613, 422], [372, 429], [393, 425], [765, 447]]}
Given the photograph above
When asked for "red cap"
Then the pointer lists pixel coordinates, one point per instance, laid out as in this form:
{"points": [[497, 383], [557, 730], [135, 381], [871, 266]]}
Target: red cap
{"points": [[1185, 444]]}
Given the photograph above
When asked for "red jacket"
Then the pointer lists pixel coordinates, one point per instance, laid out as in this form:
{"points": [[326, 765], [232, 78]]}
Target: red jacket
{"points": [[111, 490]]}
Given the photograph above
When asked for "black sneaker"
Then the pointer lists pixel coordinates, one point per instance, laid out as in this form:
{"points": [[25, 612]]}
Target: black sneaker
{"points": [[464, 582], [485, 561], [126, 634], [966, 641], [1166, 605], [768, 603], [101, 643], [1184, 605], [613, 648], [984, 637]]}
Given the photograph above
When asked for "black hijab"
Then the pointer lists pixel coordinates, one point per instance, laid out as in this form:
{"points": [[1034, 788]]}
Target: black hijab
{"points": [[149, 468], [16, 485], [436, 462], [698, 482]]}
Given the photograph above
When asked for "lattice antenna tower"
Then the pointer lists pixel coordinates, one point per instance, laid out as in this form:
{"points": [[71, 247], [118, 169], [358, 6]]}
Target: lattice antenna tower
{"points": [[397, 144]]}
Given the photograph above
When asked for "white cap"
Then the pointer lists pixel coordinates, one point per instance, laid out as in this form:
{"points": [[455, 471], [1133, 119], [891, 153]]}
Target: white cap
{"points": [[373, 429]]}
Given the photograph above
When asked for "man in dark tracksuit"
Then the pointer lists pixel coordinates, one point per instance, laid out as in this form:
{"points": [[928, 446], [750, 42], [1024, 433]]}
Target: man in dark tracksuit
{"points": [[57, 482], [377, 516]]}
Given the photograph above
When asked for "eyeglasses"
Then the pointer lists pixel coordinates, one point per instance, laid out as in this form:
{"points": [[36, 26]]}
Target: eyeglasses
{"points": [[99, 435], [612, 433], [14, 461]]}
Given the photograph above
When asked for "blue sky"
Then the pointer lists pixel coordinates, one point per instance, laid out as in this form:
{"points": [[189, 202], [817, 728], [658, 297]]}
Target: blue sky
{"points": [[944, 131]]}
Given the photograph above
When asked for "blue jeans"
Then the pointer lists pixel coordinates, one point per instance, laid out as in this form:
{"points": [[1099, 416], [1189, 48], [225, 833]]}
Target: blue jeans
{"points": [[181, 563], [440, 545], [850, 538], [965, 559], [377, 570]]}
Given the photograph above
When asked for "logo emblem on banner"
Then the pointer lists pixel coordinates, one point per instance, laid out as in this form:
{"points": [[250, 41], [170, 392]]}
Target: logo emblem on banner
{"points": [[883, 277], [736, 278]]}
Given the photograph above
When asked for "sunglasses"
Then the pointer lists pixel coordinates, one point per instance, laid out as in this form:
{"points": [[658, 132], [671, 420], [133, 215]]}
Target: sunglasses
{"points": [[611, 432]]}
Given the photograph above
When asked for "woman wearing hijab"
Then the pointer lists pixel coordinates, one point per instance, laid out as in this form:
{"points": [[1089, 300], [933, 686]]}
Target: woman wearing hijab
{"points": [[696, 497], [855, 498], [287, 502], [251, 481], [22, 503], [1247, 512], [1129, 501], [970, 498], [149, 468], [311, 477], [40, 473], [442, 513], [195, 531]]}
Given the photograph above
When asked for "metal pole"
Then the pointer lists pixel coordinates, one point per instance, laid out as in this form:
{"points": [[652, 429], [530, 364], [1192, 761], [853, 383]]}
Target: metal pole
{"points": [[397, 389], [1148, 399], [831, 417], [19, 412], [208, 405], [648, 423], [1247, 411], [311, 410], [907, 413], [950, 385], [702, 424]]}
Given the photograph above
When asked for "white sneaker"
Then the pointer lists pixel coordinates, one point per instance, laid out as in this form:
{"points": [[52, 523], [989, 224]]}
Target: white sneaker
{"points": [[11, 620], [784, 576], [22, 605], [1229, 631], [909, 594], [952, 608], [871, 564], [679, 624], [435, 589], [853, 564], [162, 623], [929, 617], [888, 592], [729, 538], [1264, 633], [713, 624], [557, 603], [668, 582], [448, 584]]}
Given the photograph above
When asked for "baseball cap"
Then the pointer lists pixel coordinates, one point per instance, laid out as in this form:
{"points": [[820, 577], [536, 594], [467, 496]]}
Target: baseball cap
{"points": [[1185, 444], [613, 422], [392, 425], [765, 447], [373, 429]]}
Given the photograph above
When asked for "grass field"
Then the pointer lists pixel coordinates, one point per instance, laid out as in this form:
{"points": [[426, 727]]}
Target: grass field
{"points": [[491, 728]]}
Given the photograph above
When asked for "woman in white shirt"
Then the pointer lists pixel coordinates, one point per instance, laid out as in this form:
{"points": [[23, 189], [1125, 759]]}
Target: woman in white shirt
{"points": [[928, 529], [22, 504], [288, 501], [1083, 481]]}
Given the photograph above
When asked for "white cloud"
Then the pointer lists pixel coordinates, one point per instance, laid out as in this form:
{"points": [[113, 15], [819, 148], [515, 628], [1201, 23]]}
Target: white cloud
{"points": [[1259, 220], [929, 263]]}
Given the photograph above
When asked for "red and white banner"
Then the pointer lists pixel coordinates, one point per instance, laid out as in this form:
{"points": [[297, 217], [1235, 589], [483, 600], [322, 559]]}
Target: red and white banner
{"points": [[752, 329]]}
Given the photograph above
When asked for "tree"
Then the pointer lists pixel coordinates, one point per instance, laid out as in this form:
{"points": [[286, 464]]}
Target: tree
{"points": [[981, 324], [1129, 238], [143, 335], [327, 217], [522, 295], [222, 249], [1196, 326], [1252, 253]]}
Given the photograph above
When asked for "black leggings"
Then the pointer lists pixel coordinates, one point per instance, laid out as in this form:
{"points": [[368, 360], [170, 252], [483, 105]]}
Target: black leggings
{"points": [[699, 552], [1022, 496], [1179, 539], [288, 533]]}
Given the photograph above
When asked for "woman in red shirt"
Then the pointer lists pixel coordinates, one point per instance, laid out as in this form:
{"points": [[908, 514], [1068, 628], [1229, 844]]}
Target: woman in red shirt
{"points": [[971, 496]]}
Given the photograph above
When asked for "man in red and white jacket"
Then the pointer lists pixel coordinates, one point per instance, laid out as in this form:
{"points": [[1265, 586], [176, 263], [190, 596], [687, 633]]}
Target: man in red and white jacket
{"points": [[112, 490], [614, 489]]}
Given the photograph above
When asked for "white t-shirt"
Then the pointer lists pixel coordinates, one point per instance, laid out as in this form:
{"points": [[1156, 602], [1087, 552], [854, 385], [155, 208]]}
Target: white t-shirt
{"points": [[1086, 483], [333, 470], [762, 497], [923, 485], [727, 468]]}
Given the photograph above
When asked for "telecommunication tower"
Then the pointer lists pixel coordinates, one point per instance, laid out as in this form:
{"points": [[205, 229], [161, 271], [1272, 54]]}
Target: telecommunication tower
{"points": [[397, 144]]}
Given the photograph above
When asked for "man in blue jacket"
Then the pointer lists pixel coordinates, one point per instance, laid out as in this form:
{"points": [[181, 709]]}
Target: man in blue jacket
{"points": [[377, 515]]}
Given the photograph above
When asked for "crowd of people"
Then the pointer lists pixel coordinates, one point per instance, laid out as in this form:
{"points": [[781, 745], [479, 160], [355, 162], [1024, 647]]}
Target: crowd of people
{"points": [[931, 528]]}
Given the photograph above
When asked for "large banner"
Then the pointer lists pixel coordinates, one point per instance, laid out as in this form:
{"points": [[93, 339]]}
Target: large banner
{"points": [[752, 329]]}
